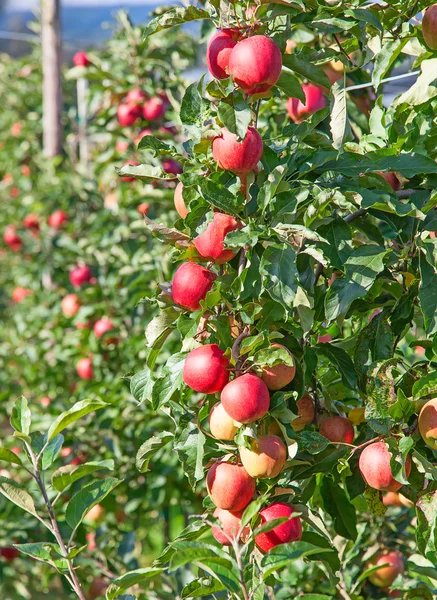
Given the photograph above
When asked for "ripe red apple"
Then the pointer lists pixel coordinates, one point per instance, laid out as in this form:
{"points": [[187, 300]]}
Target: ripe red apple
{"points": [[80, 275], [31, 221], [101, 326], [91, 541], [229, 528], [221, 426], [266, 456], [45, 401], [11, 238], [324, 339], [289, 531], [20, 293], [211, 243], [57, 219], [279, 375], [80, 59], [246, 398], [70, 305], [219, 50], [229, 486], [136, 96], [172, 167], [375, 468], [95, 515], [206, 369], [338, 429], [127, 114], [15, 192], [154, 109], [391, 499], [190, 285], [391, 179], [84, 368], [179, 203], [9, 553], [16, 129], [429, 27], [306, 412], [428, 423], [143, 208], [97, 588], [385, 576], [315, 100], [25, 171], [255, 64], [239, 157], [121, 146]]}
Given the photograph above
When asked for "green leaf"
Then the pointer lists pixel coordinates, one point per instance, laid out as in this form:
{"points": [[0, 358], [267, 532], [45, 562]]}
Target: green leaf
{"points": [[235, 114], [425, 386], [63, 477], [194, 111], [386, 57], [9, 456], [202, 587], [190, 442], [274, 356], [341, 359], [170, 381], [217, 194], [281, 556], [338, 238], [291, 87], [374, 343], [52, 451], [76, 412], [18, 496], [160, 324], [39, 550], [306, 69], [166, 234], [279, 271], [426, 531], [269, 187], [158, 147], [149, 448], [137, 577], [146, 173], [141, 385], [423, 88], [174, 17], [340, 127], [21, 417], [84, 500], [361, 269], [428, 294], [381, 394], [341, 510]]}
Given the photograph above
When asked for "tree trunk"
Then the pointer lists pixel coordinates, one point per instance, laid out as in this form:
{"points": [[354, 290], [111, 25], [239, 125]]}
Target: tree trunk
{"points": [[52, 90]]}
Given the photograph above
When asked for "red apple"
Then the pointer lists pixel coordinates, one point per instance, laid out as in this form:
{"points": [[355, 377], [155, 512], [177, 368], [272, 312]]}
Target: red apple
{"points": [[315, 100], [31, 221], [265, 457], [102, 326], [16, 129], [289, 531], [246, 398], [25, 171], [57, 219], [428, 423], [338, 429], [237, 156], [211, 243], [179, 203], [136, 96], [171, 166], [127, 114], [80, 275], [229, 486], [279, 375], [154, 109], [121, 146], [190, 285], [45, 401], [374, 464], [9, 553], [385, 576], [80, 59], [70, 305], [143, 208], [391, 179], [255, 64], [219, 50], [20, 293], [11, 238], [142, 134], [221, 426], [206, 369], [429, 27], [97, 588], [84, 368], [15, 192], [229, 528]]}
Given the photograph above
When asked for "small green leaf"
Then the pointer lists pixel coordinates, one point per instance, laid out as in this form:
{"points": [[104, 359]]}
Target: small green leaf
{"points": [[65, 476], [149, 448], [9, 456], [127, 580], [84, 500], [21, 417], [76, 412]]}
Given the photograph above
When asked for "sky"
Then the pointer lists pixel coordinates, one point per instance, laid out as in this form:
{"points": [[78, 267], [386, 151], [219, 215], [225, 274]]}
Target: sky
{"points": [[31, 4]]}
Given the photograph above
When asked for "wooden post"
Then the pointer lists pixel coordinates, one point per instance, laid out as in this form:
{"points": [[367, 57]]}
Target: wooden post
{"points": [[52, 89]]}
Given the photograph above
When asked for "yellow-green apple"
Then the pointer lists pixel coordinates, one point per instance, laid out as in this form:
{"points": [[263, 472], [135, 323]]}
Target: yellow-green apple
{"points": [[265, 457], [221, 426], [428, 423]]}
